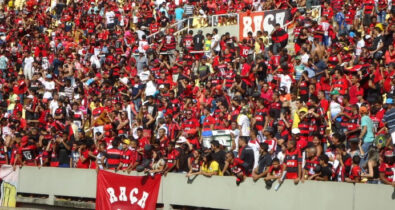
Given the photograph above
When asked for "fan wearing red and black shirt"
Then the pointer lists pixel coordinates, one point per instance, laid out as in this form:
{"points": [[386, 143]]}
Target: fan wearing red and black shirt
{"points": [[343, 170], [187, 41], [3, 153], [113, 155], [171, 157], [27, 152], [142, 140], [136, 157], [355, 172], [126, 156], [190, 124], [292, 162], [387, 168], [311, 163]]}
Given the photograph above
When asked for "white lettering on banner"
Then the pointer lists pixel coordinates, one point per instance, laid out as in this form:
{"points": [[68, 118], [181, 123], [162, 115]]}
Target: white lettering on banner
{"points": [[280, 18], [257, 24], [122, 194], [265, 21], [132, 196], [143, 199], [247, 26], [266, 25], [113, 198]]}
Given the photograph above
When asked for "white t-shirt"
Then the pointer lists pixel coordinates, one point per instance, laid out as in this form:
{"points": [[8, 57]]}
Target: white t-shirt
{"points": [[305, 58], [110, 17], [236, 133], [335, 108], [53, 106], [142, 43], [49, 86], [286, 81], [216, 38], [150, 88], [244, 122], [255, 148], [360, 45]]}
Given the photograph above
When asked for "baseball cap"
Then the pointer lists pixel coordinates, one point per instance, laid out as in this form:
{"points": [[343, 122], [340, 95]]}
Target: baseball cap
{"points": [[389, 101], [389, 153], [295, 131], [126, 141], [181, 140], [335, 92], [269, 129], [48, 76], [303, 109]]}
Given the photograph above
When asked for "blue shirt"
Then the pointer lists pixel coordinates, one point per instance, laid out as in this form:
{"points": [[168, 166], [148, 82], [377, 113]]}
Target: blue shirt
{"points": [[179, 12], [369, 135]]}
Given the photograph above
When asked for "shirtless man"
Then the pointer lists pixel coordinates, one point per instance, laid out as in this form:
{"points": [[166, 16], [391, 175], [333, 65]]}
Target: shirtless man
{"points": [[319, 49]]}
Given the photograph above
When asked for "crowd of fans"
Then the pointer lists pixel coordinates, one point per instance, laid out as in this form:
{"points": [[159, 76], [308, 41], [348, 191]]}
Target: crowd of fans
{"points": [[81, 86]]}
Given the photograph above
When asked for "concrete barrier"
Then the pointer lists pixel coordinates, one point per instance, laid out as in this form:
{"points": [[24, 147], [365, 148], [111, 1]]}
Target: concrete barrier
{"points": [[214, 192]]}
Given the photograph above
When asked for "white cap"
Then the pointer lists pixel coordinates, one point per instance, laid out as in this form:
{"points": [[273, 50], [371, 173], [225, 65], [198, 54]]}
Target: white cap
{"points": [[295, 131], [161, 86], [181, 140], [30, 96]]}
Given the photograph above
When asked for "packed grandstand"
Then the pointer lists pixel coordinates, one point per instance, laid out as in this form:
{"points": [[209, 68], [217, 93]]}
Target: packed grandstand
{"points": [[136, 85]]}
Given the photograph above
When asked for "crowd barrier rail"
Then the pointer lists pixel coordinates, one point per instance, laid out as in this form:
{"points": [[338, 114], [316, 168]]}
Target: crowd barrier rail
{"points": [[215, 192]]}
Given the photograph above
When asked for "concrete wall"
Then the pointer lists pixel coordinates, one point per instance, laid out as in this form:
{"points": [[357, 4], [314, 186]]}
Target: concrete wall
{"points": [[216, 192]]}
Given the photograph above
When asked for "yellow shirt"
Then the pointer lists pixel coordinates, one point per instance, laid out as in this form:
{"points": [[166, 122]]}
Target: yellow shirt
{"points": [[214, 167]]}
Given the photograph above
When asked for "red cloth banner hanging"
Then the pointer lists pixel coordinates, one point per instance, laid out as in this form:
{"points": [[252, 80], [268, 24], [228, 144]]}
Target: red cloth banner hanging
{"points": [[119, 192]]}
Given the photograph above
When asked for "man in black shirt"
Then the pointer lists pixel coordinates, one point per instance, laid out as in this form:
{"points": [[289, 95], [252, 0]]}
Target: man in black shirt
{"points": [[324, 170], [63, 150], [218, 154], [265, 160], [198, 41]]}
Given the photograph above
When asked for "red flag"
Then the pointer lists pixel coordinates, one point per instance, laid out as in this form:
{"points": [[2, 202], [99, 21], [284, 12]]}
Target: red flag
{"points": [[115, 191]]}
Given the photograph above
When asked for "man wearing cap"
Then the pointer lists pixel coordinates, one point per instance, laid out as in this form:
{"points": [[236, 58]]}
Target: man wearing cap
{"points": [[389, 118]]}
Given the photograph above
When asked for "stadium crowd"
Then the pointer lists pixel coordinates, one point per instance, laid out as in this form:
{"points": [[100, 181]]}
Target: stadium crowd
{"points": [[82, 86]]}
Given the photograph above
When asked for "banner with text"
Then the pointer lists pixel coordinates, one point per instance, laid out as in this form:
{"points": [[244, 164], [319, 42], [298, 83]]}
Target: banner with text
{"points": [[120, 192], [261, 21], [8, 184]]}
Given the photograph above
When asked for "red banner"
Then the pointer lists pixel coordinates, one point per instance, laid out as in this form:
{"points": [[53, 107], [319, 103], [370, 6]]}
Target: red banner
{"points": [[115, 191]]}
